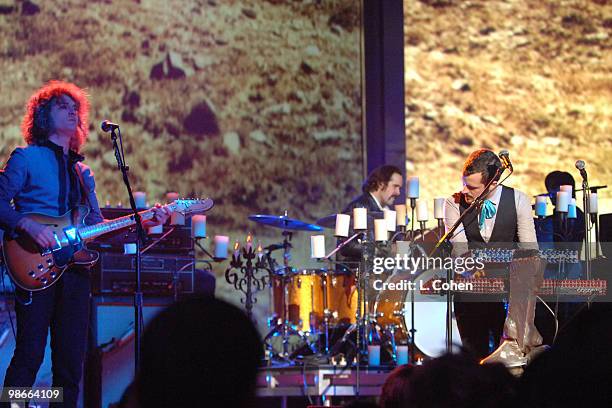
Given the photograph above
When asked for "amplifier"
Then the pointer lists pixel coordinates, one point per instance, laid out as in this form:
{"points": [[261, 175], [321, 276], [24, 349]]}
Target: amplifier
{"points": [[115, 274], [178, 241]]}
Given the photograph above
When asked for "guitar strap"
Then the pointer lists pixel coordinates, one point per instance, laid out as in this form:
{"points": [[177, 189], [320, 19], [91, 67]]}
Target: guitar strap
{"points": [[84, 192]]}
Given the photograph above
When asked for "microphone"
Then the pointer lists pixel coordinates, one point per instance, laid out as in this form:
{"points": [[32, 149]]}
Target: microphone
{"points": [[580, 165], [504, 155], [108, 126]]}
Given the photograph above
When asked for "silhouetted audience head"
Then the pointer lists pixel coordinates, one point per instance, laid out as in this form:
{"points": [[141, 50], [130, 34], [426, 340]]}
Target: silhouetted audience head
{"points": [[396, 387], [457, 381], [577, 370], [196, 352]]}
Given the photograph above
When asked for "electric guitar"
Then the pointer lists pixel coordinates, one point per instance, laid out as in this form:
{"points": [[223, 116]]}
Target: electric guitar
{"points": [[34, 269]]}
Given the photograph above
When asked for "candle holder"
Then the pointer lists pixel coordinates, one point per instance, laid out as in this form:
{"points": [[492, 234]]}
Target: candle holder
{"points": [[248, 276], [422, 225]]}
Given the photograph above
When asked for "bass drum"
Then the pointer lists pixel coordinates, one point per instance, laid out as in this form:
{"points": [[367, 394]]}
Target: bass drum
{"points": [[394, 311]]}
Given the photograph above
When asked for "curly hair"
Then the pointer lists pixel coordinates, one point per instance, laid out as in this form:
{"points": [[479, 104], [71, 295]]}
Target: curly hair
{"points": [[379, 177], [482, 161], [36, 126]]}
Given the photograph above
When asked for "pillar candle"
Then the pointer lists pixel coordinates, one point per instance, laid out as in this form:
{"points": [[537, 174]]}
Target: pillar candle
{"points": [[158, 229], [390, 218], [177, 218], [317, 246], [540, 207], [374, 355], [593, 203], [400, 210], [360, 218], [413, 187], [439, 208], [172, 196], [198, 226], [342, 225], [563, 199], [129, 249], [140, 198], [571, 209], [221, 246], [422, 212], [567, 188], [380, 230], [402, 355]]}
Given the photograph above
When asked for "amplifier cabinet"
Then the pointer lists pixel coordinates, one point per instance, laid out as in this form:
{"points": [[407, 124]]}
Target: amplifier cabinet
{"points": [[110, 361], [177, 241], [115, 274]]}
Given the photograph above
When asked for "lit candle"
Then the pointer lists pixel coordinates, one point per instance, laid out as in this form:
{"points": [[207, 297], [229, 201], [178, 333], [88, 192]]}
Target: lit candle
{"points": [[400, 210], [571, 209], [380, 230], [140, 198], [259, 250], [249, 242], [221, 246], [317, 246], [593, 203], [390, 218], [540, 207], [360, 218], [563, 199], [439, 208], [422, 211], [413, 187], [236, 249], [198, 226], [343, 222], [567, 188]]}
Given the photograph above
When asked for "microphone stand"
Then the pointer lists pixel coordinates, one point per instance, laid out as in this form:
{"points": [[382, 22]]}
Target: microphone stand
{"points": [[445, 248], [119, 155]]}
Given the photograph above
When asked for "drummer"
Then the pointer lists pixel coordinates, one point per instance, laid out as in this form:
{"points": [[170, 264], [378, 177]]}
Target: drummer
{"points": [[379, 191]]}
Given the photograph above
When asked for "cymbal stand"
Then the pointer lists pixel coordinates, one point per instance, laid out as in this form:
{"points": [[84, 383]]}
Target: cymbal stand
{"points": [[284, 327], [412, 330]]}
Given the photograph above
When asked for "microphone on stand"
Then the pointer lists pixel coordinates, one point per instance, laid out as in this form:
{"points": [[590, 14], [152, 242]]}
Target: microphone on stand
{"points": [[580, 165], [504, 156], [108, 126]]}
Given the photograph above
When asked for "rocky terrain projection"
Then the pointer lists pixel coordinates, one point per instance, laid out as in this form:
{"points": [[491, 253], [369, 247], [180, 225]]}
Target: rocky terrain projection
{"points": [[530, 76], [256, 104]]}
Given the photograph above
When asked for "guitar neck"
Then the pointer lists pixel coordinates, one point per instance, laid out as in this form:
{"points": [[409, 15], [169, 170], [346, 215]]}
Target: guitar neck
{"points": [[92, 231]]}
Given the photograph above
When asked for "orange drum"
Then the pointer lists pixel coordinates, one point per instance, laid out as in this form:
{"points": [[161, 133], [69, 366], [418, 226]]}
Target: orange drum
{"points": [[309, 292]]}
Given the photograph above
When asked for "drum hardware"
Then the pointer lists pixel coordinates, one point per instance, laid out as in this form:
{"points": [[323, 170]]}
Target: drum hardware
{"points": [[284, 278]]}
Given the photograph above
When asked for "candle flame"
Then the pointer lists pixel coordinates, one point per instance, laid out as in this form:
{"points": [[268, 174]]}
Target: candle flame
{"points": [[249, 238], [236, 246]]}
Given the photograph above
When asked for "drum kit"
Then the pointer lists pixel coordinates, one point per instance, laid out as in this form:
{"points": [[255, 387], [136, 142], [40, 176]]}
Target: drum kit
{"points": [[320, 313]]}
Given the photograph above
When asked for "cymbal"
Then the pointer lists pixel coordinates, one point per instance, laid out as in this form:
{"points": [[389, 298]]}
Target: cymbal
{"points": [[283, 222], [330, 220]]}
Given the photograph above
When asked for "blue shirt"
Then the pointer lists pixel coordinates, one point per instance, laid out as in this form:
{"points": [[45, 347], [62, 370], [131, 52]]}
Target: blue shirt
{"points": [[42, 179]]}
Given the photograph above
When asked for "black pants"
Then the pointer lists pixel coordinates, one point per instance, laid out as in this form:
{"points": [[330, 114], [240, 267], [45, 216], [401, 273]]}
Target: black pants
{"points": [[477, 322], [63, 308]]}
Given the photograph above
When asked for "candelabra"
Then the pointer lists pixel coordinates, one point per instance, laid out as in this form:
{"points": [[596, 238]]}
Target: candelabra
{"points": [[247, 275]]}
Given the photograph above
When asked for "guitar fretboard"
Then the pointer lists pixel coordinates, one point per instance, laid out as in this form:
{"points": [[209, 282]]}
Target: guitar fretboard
{"points": [[92, 231]]}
